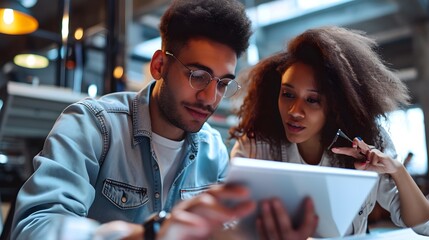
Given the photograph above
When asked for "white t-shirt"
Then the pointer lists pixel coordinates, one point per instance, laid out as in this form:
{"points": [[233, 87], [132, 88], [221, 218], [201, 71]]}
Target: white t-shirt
{"points": [[168, 155]]}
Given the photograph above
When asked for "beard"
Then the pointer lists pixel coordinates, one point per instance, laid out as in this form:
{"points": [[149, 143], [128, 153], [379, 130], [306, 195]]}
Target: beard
{"points": [[170, 108]]}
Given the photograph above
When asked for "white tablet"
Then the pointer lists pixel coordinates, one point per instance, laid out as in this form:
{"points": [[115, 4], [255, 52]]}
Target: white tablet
{"points": [[338, 193]]}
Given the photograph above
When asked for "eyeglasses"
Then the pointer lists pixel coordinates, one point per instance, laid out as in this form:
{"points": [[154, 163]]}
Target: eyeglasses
{"points": [[200, 79], [341, 134]]}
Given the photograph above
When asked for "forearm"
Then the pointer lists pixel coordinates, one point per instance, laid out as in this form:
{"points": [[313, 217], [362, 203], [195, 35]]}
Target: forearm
{"points": [[414, 205]]}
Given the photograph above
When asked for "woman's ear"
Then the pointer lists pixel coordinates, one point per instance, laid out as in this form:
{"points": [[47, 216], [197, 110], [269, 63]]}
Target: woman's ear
{"points": [[156, 64]]}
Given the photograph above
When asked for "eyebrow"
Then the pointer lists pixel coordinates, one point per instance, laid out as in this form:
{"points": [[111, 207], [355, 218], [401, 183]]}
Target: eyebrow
{"points": [[291, 86], [209, 70]]}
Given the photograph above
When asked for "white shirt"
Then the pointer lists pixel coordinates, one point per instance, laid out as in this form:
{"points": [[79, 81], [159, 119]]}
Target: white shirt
{"points": [[168, 155]]}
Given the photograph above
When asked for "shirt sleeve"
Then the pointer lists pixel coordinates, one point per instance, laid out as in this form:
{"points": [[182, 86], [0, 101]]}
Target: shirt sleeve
{"points": [[64, 172], [250, 148], [240, 148], [247, 148], [387, 192]]}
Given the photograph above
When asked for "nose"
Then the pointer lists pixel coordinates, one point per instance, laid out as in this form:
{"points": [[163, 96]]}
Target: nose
{"points": [[296, 109], [209, 94]]}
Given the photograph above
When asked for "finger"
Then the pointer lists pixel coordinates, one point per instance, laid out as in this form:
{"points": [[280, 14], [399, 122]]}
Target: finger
{"points": [[283, 219], [363, 145], [185, 225], [352, 152], [234, 193], [309, 225], [261, 230], [230, 192], [361, 165], [282, 215], [372, 163], [372, 158], [217, 211], [375, 162], [268, 221], [205, 206], [241, 210]]}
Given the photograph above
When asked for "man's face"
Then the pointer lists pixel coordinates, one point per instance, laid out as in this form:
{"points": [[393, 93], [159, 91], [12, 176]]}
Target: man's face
{"points": [[180, 106]]}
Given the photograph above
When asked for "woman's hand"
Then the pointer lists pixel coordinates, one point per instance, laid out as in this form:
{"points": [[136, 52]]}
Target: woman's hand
{"points": [[275, 223], [413, 204], [369, 158]]}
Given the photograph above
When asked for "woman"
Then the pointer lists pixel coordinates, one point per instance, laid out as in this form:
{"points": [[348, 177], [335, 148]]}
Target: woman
{"points": [[330, 78]]}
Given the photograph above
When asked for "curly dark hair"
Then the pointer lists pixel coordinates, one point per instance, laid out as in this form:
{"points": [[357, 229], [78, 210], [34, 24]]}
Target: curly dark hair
{"points": [[358, 86], [224, 21]]}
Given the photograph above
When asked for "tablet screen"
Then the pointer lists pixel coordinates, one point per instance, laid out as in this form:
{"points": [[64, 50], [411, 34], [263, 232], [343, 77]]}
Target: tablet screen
{"points": [[338, 194]]}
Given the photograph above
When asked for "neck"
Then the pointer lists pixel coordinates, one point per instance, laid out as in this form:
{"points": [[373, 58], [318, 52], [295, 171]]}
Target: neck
{"points": [[160, 124], [311, 152]]}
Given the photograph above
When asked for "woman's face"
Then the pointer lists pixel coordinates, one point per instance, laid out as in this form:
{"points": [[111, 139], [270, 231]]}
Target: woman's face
{"points": [[301, 106]]}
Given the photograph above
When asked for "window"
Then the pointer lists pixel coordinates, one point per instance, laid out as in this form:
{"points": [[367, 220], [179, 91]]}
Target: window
{"points": [[407, 130]]}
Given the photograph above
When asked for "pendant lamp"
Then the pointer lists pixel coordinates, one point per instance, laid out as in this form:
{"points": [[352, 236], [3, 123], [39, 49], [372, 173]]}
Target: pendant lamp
{"points": [[15, 19]]}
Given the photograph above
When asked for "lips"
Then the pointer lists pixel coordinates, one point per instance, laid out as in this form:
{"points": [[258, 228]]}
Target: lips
{"points": [[198, 114], [294, 128]]}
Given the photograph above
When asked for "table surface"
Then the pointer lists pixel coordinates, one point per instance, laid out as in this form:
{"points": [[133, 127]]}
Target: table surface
{"points": [[399, 234]]}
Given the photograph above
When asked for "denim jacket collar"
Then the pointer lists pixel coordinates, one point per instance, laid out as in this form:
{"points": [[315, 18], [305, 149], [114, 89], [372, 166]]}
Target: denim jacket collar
{"points": [[142, 125]]}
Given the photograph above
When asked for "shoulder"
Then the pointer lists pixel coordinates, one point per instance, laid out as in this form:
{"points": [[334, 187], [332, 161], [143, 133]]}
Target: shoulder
{"points": [[387, 144], [249, 147], [209, 134], [114, 102], [211, 145]]}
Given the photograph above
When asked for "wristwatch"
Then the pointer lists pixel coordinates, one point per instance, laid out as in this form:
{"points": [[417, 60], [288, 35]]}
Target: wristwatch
{"points": [[153, 225]]}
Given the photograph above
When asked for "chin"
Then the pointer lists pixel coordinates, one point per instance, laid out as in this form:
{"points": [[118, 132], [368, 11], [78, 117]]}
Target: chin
{"points": [[193, 128], [294, 139]]}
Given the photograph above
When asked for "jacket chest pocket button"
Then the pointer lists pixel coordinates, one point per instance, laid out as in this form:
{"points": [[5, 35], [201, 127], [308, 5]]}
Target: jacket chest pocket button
{"points": [[192, 157], [124, 199]]}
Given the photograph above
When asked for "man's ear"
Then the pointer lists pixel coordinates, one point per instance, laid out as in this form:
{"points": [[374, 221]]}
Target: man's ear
{"points": [[157, 64]]}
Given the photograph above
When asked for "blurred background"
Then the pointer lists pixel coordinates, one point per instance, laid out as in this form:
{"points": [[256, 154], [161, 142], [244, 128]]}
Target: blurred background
{"points": [[64, 50]]}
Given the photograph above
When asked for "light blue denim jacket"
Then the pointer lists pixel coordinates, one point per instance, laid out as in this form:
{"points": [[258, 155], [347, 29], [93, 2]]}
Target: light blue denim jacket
{"points": [[98, 162]]}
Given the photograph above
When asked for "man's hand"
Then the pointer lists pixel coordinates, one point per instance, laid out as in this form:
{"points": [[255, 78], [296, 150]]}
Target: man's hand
{"points": [[203, 215], [197, 218]]}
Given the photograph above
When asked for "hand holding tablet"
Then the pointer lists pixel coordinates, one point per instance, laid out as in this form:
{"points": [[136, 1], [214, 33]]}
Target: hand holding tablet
{"points": [[338, 194]]}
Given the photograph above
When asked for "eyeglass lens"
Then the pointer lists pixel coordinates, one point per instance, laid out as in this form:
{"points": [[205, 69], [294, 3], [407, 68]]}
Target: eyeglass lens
{"points": [[226, 87], [200, 79]]}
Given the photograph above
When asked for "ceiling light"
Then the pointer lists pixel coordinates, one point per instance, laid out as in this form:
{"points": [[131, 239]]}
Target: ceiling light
{"points": [[16, 19], [33, 61]]}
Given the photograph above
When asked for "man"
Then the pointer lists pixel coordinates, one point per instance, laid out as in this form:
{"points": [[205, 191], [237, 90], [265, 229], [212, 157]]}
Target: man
{"points": [[125, 156]]}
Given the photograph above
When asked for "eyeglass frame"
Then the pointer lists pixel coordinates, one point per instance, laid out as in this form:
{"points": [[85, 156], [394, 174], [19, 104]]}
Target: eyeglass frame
{"points": [[218, 80]]}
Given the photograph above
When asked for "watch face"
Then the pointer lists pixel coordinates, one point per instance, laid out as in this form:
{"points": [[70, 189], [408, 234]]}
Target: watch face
{"points": [[153, 225]]}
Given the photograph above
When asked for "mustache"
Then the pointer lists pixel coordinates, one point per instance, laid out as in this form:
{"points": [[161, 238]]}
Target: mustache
{"points": [[201, 106]]}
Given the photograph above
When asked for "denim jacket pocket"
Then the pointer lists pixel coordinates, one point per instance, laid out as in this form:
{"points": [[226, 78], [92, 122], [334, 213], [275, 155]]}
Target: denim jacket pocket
{"points": [[187, 193], [123, 195]]}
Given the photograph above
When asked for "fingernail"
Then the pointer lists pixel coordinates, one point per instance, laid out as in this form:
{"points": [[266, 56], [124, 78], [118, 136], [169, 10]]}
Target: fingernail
{"points": [[359, 138]]}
